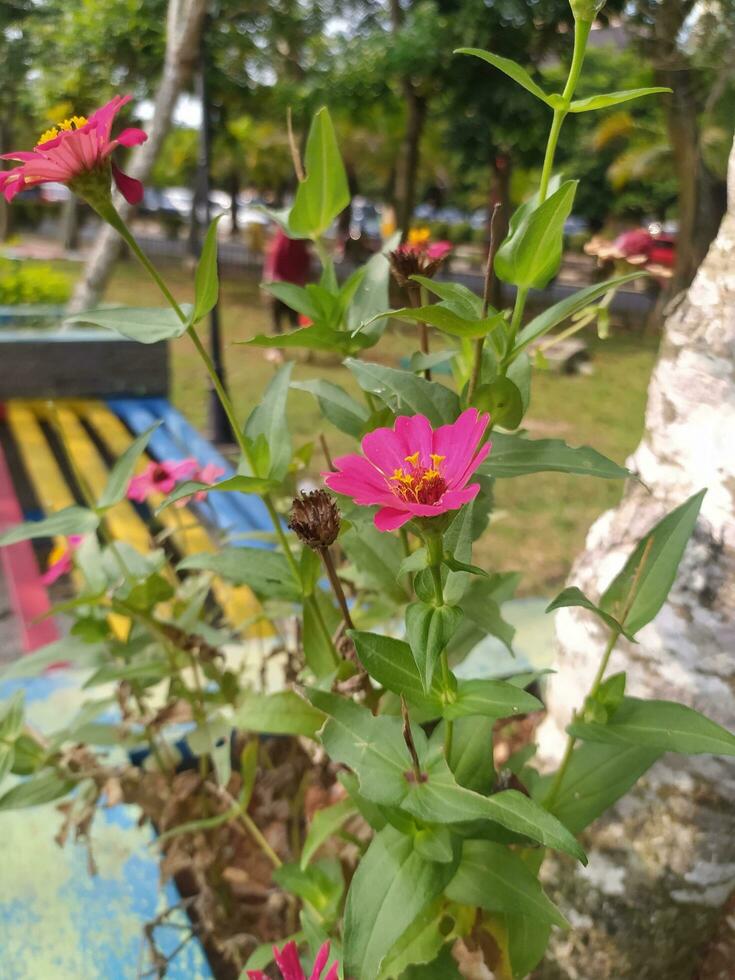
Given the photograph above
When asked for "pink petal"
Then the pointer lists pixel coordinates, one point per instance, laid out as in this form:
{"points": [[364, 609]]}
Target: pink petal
{"points": [[57, 569], [389, 519], [357, 478], [131, 136], [321, 961], [139, 487], [12, 187], [256, 975], [457, 442], [416, 433], [454, 499], [472, 465], [130, 188], [288, 962], [333, 973], [385, 449], [19, 155]]}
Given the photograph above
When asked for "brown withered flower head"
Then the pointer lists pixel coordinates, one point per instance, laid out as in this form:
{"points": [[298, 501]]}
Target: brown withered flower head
{"points": [[315, 519], [417, 258]]}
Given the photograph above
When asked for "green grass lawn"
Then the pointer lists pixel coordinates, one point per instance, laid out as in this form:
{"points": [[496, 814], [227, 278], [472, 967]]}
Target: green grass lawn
{"points": [[540, 521]]}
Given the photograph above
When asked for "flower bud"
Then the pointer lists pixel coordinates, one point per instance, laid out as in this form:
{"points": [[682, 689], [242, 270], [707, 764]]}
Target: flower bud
{"points": [[315, 519]]}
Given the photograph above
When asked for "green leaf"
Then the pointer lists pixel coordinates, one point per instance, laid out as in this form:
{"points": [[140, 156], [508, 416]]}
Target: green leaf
{"points": [[235, 484], [377, 558], [325, 824], [268, 420], [531, 254], [495, 699], [510, 68], [123, 470], [429, 628], [419, 945], [316, 337], [324, 193], [456, 297], [662, 725], [371, 296], [417, 561], [11, 716], [471, 758], [445, 319], [321, 884], [514, 455], [391, 663], [497, 880], [206, 280], [295, 297], [663, 548], [147, 670], [392, 886], [43, 787], [614, 98], [69, 648], [406, 394], [374, 748], [526, 940], [70, 520], [147, 325], [337, 406], [7, 759], [265, 571], [316, 641], [282, 713], [561, 311], [483, 610], [502, 399], [597, 776], [573, 596]]}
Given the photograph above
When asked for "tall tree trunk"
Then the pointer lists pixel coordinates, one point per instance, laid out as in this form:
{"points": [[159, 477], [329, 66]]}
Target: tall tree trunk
{"points": [[662, 863], [70, 224], [702, 195], [183, 29], [410, 153], [6, 226], [500, 163]]}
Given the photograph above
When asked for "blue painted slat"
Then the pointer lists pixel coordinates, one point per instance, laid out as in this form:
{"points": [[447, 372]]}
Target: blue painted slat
{"points": [[227, 511]]}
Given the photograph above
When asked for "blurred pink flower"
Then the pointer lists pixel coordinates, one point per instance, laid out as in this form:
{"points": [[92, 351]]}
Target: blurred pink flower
{"points": [[207, 474], [413, 470], [60, 560], [161, 478], [77, 153], [437, 251], [289, 965]]}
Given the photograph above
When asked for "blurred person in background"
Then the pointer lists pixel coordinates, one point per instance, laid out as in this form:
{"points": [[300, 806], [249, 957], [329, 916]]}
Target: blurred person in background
{"points": [[286, 260]]}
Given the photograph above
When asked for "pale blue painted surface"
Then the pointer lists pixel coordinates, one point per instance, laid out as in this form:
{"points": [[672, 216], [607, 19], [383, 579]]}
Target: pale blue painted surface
{"points": [[56, 921]]}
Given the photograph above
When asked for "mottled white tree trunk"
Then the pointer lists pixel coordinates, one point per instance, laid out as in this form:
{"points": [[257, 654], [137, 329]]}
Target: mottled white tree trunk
{"points": [[663, 862], [184, 26]]}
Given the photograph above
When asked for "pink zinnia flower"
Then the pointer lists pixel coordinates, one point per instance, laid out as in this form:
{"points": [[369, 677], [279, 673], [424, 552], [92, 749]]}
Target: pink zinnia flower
{"points": [[160, 478], [207, 474], [77, 153], [288, 963], [413, 470], [60, 560], [438, 250]]}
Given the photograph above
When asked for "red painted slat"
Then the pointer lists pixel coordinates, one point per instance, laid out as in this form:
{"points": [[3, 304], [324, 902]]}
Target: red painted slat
{"points": [[28, 596]]}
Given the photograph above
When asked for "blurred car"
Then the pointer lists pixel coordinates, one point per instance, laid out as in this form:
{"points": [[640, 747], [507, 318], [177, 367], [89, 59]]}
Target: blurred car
{"points": [[54, 193]]}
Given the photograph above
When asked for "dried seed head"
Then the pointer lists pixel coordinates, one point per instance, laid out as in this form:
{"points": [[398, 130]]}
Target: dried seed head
{"points": [[422, 259], [315, 519]]}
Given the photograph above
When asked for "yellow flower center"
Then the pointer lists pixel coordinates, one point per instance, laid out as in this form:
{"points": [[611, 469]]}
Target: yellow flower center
{"points": [[420, 484], [74, 122], [57, 553]]}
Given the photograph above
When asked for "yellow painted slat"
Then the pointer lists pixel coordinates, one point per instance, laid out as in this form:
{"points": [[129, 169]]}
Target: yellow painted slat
{"points": [[238, 602], [49, 484]]}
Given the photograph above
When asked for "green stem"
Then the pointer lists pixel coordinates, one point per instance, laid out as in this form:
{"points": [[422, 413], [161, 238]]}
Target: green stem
{"points": [[571, 740], [113, 218], [435, 551], [581, 34]]}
